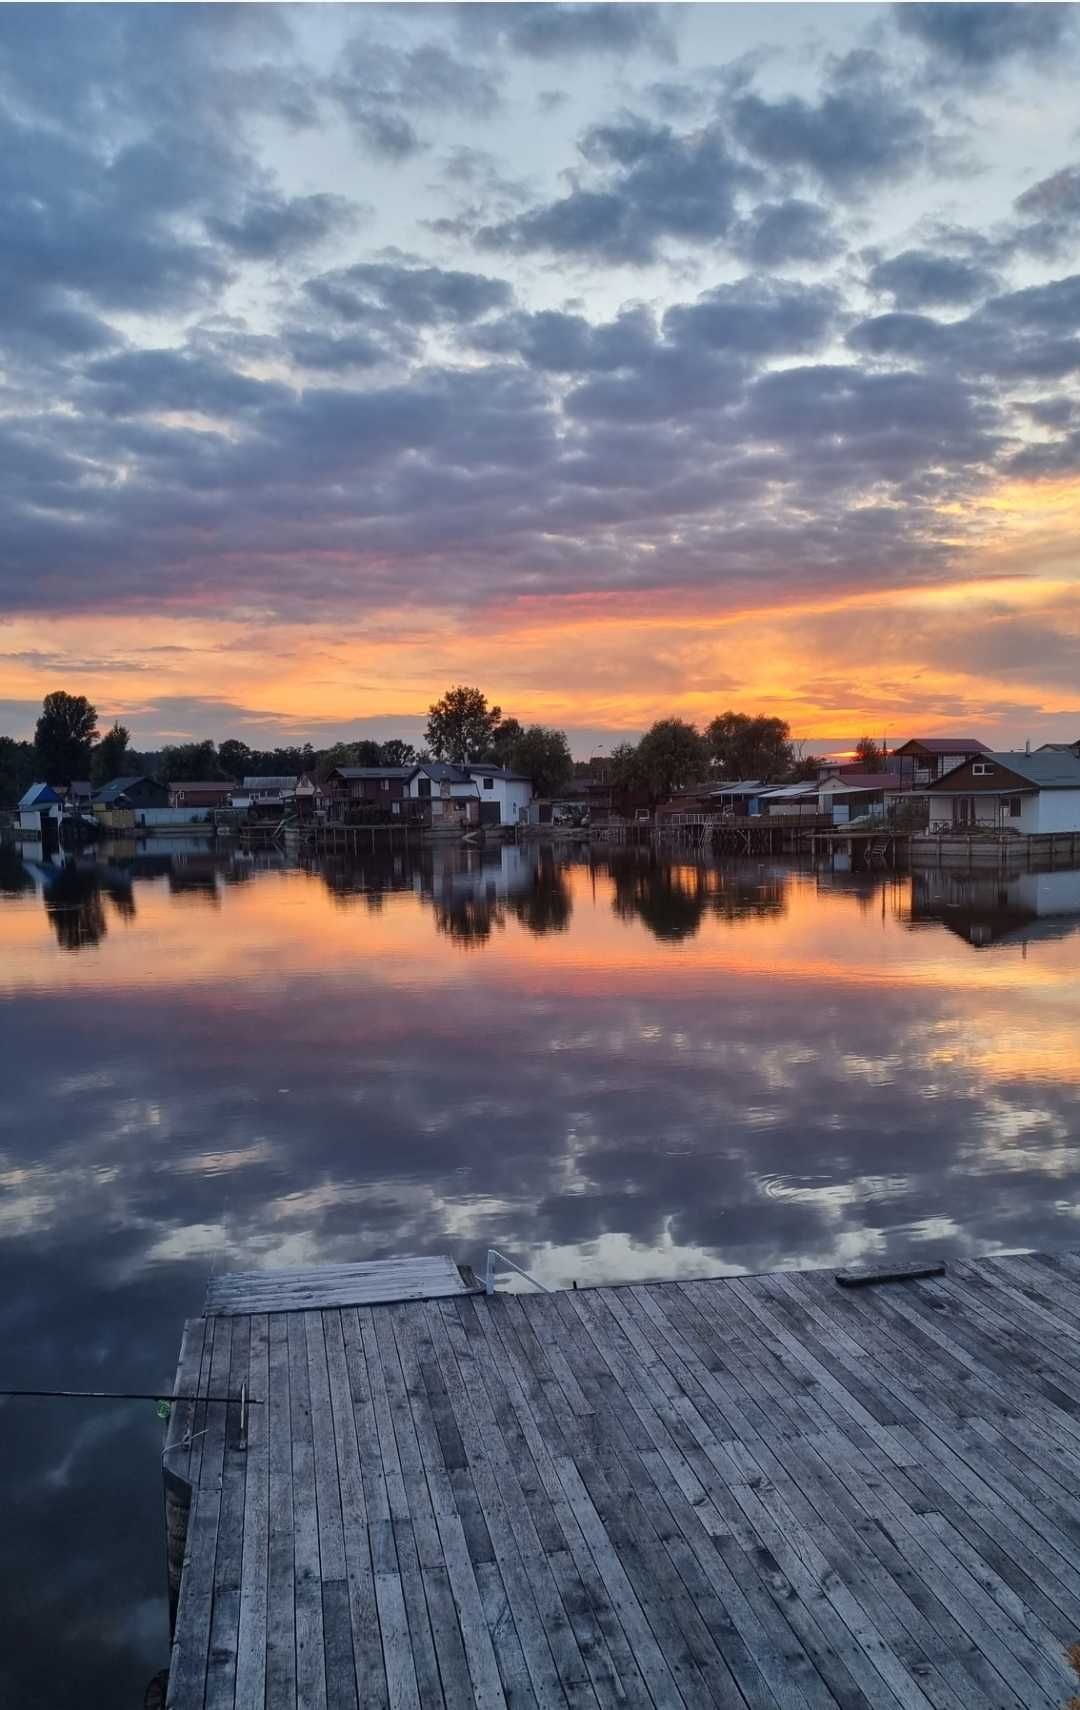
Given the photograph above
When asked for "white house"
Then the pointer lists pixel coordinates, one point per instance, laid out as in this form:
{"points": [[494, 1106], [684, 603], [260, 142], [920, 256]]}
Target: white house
{"points": [[475, 794], [1027, 793], [40, 803]]}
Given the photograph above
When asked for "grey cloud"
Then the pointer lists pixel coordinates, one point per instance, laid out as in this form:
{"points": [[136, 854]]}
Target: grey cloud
{"points": [[918, 278], [778, 234], [976, 38], [272, 227], [542, 30], [657, 185], [378, 87], [756, 319], [570, 344], [862, 131], [417, 296], [1026, 334], [1049, 215], [144, 381]]}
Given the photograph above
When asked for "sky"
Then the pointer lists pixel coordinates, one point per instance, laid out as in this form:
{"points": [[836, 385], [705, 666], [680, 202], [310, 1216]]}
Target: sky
{"points": [[626, 361]]}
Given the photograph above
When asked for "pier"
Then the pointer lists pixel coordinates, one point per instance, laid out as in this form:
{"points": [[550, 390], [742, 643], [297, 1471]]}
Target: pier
{"points": [[763, 1493]]}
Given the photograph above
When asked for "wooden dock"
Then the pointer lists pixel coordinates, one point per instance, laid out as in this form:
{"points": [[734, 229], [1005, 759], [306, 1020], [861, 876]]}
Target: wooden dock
{"points": [[764, 1493]]}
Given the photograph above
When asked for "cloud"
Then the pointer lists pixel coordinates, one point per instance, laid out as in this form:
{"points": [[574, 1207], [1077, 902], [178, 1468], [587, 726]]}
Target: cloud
{"points": [[1028, 334], [1049, 214], [781, 234], [864, 130], [919, 278], [270, 228], [417, 296], [378, 87], [975, 38], [653, 184], [540, 30]]}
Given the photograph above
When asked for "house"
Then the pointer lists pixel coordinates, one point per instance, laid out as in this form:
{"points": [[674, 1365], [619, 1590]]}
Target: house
{"points": [[472, 794], [1059, 748], [1026, 793], [263, 794], [801, 799], [41, 802], [207, 794], [370, 786], [850, 795], [131, 793], [925, 758]]}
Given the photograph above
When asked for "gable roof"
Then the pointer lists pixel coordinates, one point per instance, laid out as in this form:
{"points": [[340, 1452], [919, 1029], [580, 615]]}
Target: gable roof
{"points": [[860, 781], [202, 784], [118, 787], [353, 773], [255, 784], [39, 795], [1045, 770], [945, 745]]}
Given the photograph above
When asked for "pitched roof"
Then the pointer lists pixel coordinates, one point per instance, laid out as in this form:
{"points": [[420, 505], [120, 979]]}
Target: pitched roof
{"points": [[39, 795], [1046, 769], [945, 745], [202, 784], [118, 786], [256, 784], [355, 772], [863, 781]]}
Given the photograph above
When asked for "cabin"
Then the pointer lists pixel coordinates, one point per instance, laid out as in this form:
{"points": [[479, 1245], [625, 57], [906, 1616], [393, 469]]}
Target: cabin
{"points": [[925, 758], [852, 795], [207, 794], [41, 802], [264, 794], [1031, 794], [131, 793], [368, 786]]}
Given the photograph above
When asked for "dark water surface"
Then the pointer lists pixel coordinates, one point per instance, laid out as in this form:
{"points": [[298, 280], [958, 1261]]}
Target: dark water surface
{"points": [[610, 1067]]}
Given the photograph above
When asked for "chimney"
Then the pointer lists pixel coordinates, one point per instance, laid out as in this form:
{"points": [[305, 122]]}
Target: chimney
{"points": [[1027, 745]]}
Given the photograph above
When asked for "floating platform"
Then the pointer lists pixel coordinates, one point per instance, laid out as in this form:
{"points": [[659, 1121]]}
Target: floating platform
{"points": [[762, 1493]]}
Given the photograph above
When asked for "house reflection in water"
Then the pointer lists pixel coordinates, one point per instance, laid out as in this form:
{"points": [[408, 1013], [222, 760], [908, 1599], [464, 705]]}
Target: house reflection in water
{"points": [[989, 910]]}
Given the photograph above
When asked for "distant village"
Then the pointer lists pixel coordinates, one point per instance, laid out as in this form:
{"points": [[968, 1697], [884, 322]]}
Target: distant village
{"points": [[483, 774]]}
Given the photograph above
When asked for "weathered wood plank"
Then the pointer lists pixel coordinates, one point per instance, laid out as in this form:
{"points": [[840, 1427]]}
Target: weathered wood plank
{"points": [[371, 1282]]}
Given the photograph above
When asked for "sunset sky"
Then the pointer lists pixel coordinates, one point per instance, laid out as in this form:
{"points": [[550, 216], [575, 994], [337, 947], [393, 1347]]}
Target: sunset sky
{"points": [[624, 360]]}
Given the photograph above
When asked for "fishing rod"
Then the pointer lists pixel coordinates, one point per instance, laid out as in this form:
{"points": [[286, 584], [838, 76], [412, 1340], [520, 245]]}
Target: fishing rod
{"points": [[124, 1395]]}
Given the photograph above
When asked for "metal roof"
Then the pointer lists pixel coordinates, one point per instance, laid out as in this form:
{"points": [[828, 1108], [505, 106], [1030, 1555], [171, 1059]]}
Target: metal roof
{"points": [[1045, 770], [945, 745], [39, 795], [118, 786], [352, 772]]}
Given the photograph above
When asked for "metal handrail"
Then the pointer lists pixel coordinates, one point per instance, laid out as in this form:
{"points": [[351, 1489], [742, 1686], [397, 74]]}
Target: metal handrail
{"points": [[489, 1272]]}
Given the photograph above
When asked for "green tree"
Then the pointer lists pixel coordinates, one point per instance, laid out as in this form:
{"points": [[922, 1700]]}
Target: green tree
{"points": [[504, 739], [670, 757], [623, 767], [397, 753], [461, 725], [110, 758], [870, 757], [544, 757], [742, 746], [64, 736], [192, 762], [18, 762], [235, 758]]}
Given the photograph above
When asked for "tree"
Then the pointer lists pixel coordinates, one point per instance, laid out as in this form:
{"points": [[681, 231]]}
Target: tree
{"points": [[191, 762], [742, 746], [367, 753], [461, 726], [504, 739], [235, 759], [110, 757], [623, 768], [670, 756], [17, 764], [544, 757], [397, 753], [64, 736], [870, 757]]}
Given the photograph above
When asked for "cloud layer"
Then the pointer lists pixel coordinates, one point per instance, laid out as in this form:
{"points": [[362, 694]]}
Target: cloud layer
{"points": [[303, 320]]}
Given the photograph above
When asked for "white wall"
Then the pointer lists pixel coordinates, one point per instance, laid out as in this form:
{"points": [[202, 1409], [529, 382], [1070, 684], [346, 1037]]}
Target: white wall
{"points": [[1057, 810]]}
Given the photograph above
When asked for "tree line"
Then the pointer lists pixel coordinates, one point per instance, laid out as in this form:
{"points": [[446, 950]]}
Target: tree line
{"points": [[461, 727]]}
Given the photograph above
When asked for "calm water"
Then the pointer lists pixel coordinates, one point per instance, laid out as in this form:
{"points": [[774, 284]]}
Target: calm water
{"points": [[608, 1068]]}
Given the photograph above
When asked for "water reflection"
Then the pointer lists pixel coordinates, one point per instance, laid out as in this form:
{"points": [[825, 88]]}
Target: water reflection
{"points": [[610, 1066]]}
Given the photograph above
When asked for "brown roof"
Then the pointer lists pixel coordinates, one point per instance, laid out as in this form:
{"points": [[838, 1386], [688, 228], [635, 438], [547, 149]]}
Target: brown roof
{"points": [[225, 784], [945, 745]]}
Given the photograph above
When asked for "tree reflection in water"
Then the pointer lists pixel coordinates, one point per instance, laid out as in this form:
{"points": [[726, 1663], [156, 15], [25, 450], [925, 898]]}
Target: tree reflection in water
{"points": [[673, 897]]}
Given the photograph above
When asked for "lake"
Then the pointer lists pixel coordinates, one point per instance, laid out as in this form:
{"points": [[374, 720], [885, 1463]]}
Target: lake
{"points": [[609, 1066]]}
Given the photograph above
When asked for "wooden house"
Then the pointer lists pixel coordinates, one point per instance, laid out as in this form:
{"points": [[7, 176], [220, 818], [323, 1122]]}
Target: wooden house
{"points": [[1027, 793]]}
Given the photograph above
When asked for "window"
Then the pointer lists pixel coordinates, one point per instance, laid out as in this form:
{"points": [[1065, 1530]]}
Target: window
{"points": [[981, 769], [423, 786], [384, 783], [489, 783], [1015, 807]]}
